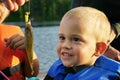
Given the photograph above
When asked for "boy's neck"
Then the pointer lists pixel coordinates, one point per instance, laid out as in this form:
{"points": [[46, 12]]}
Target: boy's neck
{"points": [[75, 69]]}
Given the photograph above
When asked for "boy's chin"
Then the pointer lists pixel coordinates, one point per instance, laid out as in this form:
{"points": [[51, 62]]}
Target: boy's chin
{"points": [[67, 64]]}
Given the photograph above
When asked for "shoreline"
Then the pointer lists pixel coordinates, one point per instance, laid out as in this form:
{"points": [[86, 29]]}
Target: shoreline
{"points": [[41, 24]]}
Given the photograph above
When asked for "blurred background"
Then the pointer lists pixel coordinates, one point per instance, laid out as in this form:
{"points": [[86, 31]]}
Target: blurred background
{"points": [[42, 11]]}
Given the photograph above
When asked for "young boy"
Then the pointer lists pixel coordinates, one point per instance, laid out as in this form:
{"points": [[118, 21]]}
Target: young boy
{"points": [[83, 38]]}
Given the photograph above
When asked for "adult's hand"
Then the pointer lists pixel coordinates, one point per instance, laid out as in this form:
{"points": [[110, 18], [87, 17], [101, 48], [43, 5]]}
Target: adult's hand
{"points": [[15, 42], [13, 5], [113, 53]]}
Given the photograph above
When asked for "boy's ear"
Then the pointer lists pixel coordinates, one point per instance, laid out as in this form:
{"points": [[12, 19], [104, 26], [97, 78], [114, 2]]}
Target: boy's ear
{"points": [[100, 48]]}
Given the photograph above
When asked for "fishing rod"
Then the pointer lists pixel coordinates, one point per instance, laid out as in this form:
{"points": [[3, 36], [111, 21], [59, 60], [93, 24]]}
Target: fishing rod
{"points": [[6, 78]]}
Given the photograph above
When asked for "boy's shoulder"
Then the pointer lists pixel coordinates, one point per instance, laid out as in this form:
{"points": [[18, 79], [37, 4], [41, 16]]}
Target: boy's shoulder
{"points": [[57, 67], [108, 64], [57, 70]]}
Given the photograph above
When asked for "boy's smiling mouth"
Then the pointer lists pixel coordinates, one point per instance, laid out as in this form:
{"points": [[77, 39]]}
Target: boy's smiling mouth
{"points": [[66, 55]]}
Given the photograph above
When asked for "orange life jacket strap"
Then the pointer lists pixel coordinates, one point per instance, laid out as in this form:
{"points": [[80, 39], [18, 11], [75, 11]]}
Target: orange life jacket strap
{"points": [[9, 71]]}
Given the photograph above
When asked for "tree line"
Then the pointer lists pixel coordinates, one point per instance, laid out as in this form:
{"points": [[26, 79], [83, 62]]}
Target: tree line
{"points": [[42, 10]]}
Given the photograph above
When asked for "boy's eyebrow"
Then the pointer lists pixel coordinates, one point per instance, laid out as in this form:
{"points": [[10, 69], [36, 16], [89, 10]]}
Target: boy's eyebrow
{"points": [[60, 34]]}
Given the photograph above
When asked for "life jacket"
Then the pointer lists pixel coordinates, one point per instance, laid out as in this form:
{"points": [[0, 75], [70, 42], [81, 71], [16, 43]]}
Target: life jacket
{"points": [[10, 60], [103, 69]]}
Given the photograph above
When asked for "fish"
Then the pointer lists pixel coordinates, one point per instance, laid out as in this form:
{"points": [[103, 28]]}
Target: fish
{"points": [[29, 41]]}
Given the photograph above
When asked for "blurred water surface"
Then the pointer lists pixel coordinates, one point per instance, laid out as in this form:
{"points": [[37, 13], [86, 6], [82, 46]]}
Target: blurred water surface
{"points": [[45, 41]]}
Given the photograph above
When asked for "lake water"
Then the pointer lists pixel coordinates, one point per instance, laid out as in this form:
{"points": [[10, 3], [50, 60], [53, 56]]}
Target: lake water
{"points": [[45, 41]]}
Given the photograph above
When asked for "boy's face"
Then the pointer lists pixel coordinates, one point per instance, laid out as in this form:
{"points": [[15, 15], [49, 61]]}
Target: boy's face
{"points": [[77, 44]]}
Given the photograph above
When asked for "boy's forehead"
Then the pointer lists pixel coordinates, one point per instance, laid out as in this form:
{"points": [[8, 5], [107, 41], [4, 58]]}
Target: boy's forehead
{"points": [[86, 18], [85, 15], [78, 20], [84, 12], [75, 25]]}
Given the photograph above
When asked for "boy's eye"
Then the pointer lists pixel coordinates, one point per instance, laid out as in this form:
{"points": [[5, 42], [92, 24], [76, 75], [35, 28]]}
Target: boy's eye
{"points": [[76, 39], [61, 38]]}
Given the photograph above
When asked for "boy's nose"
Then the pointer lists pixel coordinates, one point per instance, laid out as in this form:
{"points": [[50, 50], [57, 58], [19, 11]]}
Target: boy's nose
{"points": [[67, 44]]}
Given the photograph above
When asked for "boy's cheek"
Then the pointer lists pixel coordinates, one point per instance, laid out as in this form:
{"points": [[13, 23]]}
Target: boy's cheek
{"points": [[58, 49]]}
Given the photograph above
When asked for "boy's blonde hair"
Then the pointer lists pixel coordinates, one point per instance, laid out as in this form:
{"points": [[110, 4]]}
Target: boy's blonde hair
{"points": [[96, 20]]}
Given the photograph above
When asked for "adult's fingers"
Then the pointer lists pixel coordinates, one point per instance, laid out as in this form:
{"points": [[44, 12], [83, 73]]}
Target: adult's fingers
{"points": [[13, 5], [20, 45], [26, 0], [9, 4], [12, 40], [16, 6], [20, 2]]}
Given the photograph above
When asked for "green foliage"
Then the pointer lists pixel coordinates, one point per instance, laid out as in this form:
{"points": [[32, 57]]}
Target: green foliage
{"points": [[42, 10]]}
